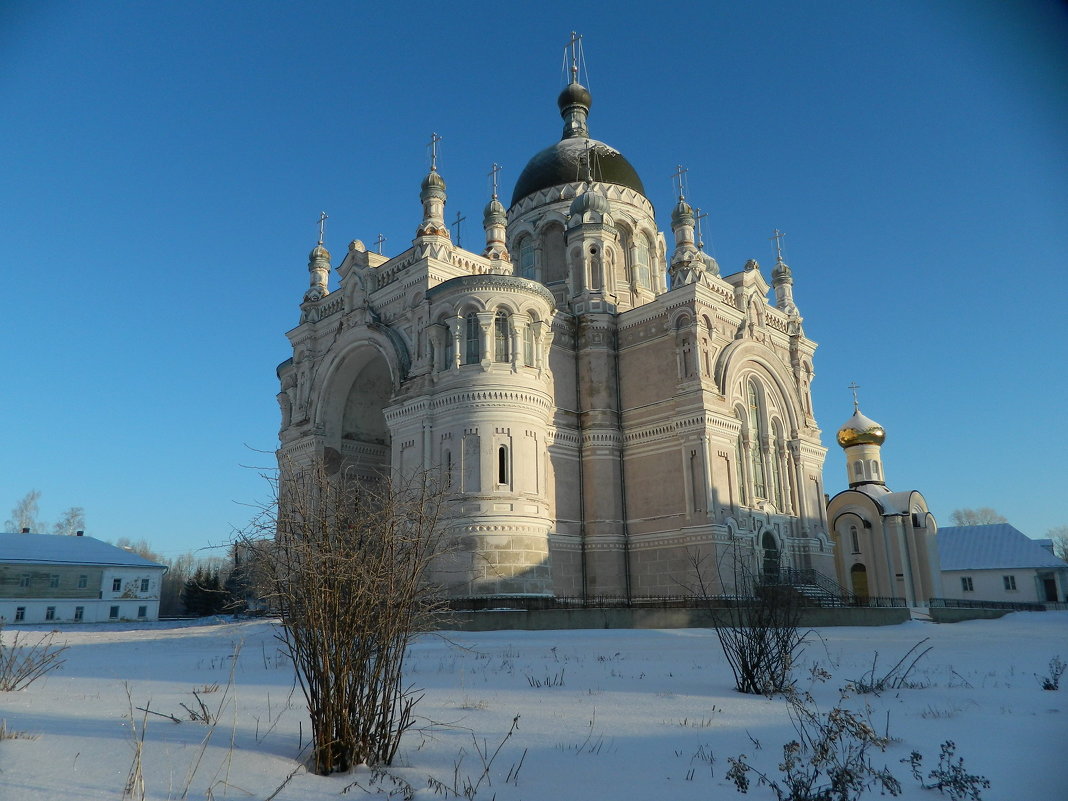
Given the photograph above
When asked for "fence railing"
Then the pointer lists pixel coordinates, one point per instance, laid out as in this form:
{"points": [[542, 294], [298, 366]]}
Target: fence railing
{"points": [[727, 601], [968, 603]]}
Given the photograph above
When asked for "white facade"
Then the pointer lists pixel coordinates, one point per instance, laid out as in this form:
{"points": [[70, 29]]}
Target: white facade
{"points": [[606, 411]]}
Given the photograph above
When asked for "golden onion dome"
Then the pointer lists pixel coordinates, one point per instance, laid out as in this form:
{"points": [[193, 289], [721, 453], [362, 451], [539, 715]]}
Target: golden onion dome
{"points": [[859, 430]]}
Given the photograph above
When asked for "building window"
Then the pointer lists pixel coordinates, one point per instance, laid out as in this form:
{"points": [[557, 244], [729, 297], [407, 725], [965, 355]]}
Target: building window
{"points": [[1009, 581], [641, 263], [79, 612], [113, 613], [142, 611], [144, 585], [526, 258], [502, 464], [966, 583], [501, 349], [53, 581], [116, 585], [24, 580], [20, 613], [776, 470], [739, 461], [756, 451], [528, 344], [83, 582], [450, 348], [471, 339], [856, 539], [50, 613]]}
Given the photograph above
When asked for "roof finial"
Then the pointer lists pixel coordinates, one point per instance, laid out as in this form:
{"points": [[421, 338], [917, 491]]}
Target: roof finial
{"points": [[379, 242], [494, 174], [323, 217], [777, 237], [856, 404], [678, 176], [433, 145], [697, 217], [576, 48], [456, 224]]}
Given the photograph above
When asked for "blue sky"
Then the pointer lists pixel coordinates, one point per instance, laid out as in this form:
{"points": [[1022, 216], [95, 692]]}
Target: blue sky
{"points": [[165, 165]]}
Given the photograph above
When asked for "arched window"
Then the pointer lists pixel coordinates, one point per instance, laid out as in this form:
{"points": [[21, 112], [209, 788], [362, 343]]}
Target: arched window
{"points": [[855, 537], [501, 338], [528, 344], [642, 261], [857, 469], [776, 471], [739, 462], [471, 356], [450, 348], [875, 469], [446, 464], [526, 258], [502, 464], [756, 450]]}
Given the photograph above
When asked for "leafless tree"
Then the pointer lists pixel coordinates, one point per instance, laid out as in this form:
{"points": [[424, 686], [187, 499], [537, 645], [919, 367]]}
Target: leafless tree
{"points": [[1059, 535], [348, 572], [757, 621], [982, 516], [71, 523], [24, 515]]}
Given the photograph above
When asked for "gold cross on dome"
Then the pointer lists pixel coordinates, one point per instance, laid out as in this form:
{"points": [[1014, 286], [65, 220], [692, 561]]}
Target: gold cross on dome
{"points": [[856, 404]]}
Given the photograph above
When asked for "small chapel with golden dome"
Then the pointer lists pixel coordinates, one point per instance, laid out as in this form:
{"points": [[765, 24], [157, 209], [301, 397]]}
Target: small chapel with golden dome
{"points": [[613, 417], [884, 541]]}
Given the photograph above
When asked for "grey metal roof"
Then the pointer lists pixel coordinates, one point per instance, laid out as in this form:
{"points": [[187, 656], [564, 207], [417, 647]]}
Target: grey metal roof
{"points": [[36, 549], [991, 547]]}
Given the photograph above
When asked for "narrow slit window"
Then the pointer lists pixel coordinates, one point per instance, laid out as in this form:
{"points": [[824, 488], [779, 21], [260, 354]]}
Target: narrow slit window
{"points": [[502, 465]]}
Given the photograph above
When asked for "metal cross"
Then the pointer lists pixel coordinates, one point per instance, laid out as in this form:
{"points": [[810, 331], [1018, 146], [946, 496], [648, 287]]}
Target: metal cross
{"points": [[379, 242], [434, 139], [494, 174], [456, 224], [856, 404], [323, 216], [778, 237], [576, 41], [680, 171], [697, 217]]}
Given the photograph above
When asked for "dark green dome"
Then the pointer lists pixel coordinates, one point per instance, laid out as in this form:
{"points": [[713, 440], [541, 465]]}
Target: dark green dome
{"points": [[560, 164]]}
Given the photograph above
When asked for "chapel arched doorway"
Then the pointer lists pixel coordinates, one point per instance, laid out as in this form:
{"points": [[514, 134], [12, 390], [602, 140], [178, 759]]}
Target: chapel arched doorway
{"points": [[858, 578]]}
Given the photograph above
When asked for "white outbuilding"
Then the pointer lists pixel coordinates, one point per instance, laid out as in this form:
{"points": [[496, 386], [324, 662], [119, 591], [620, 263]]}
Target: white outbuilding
{"points": [[49, 577]]}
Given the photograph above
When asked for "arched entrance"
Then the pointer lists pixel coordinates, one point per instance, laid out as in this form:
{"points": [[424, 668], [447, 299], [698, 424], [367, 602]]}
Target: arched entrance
{"points": [[770, 568], [858, 578]]}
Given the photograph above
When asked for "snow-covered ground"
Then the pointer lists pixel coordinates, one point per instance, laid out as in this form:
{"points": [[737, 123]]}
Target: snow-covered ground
{"points": [[618, 715]]}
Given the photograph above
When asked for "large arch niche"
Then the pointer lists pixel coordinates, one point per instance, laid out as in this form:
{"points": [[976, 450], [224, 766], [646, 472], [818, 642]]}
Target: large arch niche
{"points": [[363, 391]]}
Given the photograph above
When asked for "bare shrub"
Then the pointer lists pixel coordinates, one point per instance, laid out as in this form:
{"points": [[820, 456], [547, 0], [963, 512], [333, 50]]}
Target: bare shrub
{"points": [[22, 662], [895, 678], [348, 573], [829, 760], [950, 777], [757, 625], [1052, 682]]}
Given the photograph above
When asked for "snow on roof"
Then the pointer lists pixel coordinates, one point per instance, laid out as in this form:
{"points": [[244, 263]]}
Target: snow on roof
{"points": [[991, 547], [33, 549]]}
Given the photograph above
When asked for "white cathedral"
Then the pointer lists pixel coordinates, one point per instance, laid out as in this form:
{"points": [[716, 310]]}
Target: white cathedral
{"points": [[609, 414]]}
